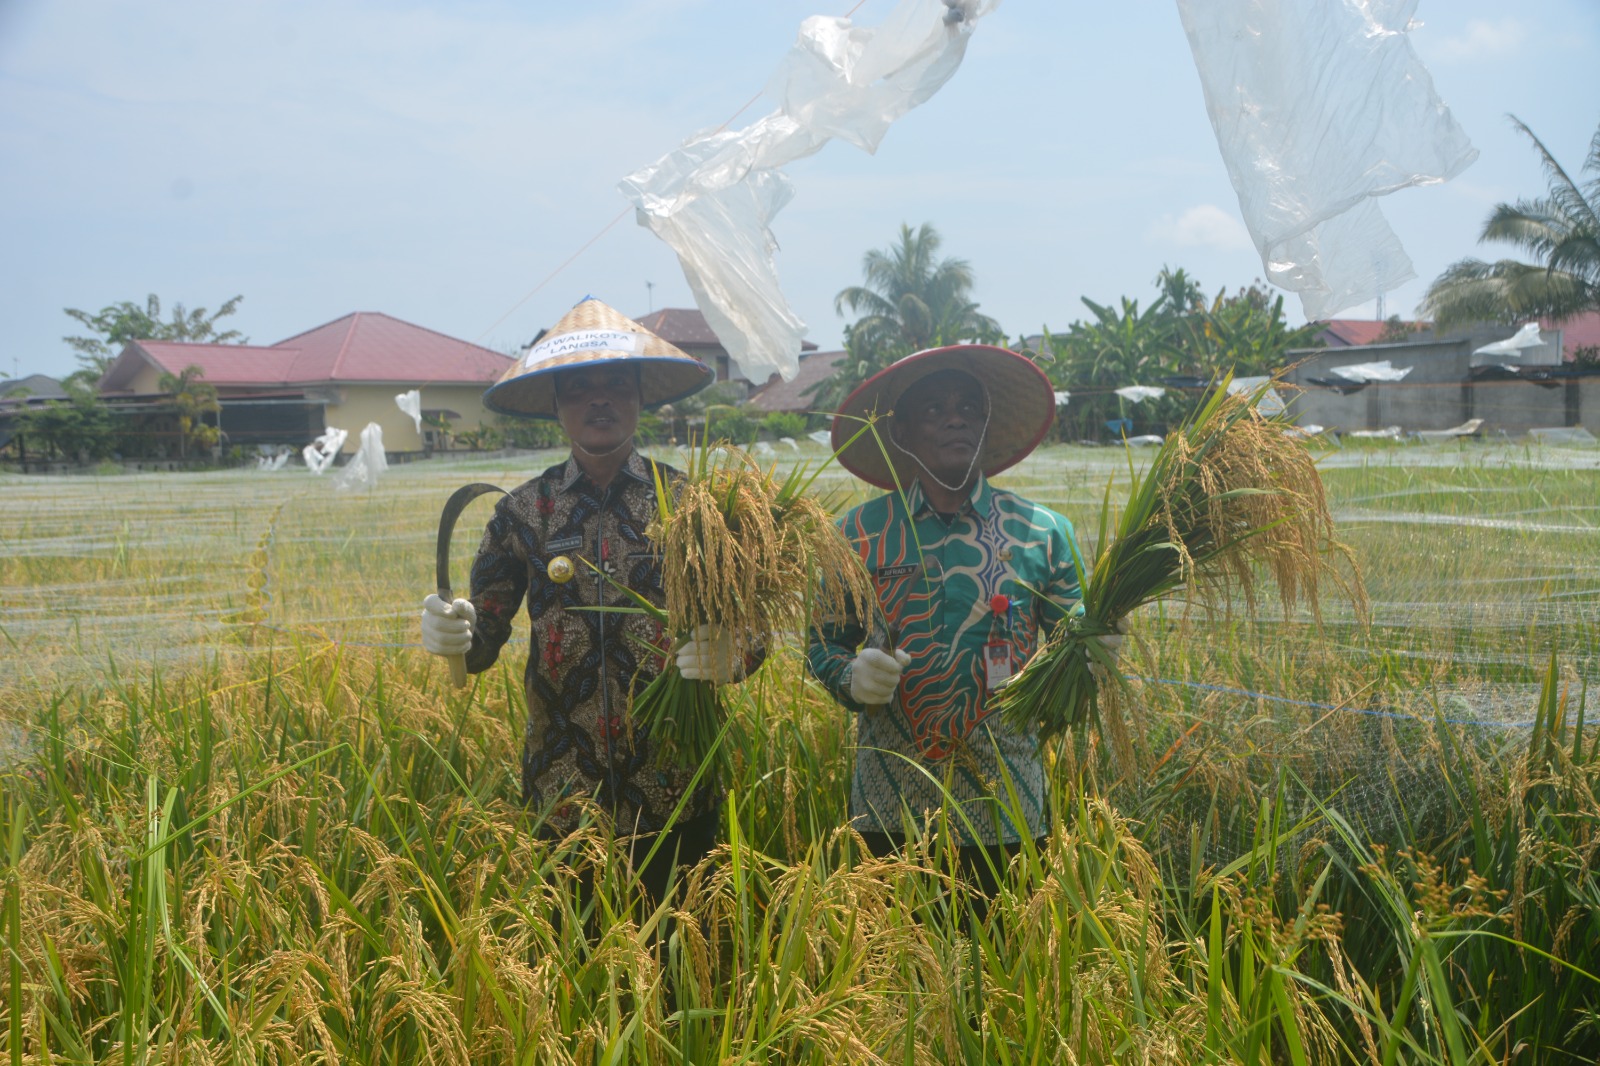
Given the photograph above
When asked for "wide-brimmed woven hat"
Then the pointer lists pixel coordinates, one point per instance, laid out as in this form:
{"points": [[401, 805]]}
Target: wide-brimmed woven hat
{"points": [[1022, 404], [588, 334]]}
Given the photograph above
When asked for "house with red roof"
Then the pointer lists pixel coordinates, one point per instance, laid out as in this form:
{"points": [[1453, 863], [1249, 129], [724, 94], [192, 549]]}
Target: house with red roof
{"points": [[688, 329], [344, 374], [1355, 332], [796, 396]]}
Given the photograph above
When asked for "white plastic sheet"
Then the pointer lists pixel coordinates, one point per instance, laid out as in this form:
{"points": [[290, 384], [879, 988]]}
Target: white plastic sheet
{"points": [[1141, 393], [1382, 370], [410, 403], [1320, 106], [368, 463], [1270, 403], [274, 457], [1562, 435], [320, 453], [1526, 337], [713, 199]]}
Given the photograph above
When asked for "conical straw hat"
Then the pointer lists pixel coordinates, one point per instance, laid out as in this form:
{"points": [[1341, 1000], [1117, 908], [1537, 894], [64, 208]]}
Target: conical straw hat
{"points": [[588, 334], [1022, 405]]}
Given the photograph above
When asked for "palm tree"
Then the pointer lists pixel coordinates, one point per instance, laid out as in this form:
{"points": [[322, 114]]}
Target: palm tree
{"points": [[1561, 230], [193, 398], [911, 300]]}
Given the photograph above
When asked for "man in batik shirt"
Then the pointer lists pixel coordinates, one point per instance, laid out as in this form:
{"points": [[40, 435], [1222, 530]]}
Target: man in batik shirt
{"points": [[571, 540], [969, 577]]}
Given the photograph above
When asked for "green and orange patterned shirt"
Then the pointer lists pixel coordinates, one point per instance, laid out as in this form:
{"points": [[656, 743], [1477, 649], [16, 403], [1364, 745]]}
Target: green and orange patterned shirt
{"points": [[965, 596]]}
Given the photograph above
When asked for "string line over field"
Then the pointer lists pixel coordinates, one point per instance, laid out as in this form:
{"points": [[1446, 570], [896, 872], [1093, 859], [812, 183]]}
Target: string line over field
{"points": [[620, 215]]}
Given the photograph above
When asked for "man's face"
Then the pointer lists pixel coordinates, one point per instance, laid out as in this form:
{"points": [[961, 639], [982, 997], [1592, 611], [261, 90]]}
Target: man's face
{"points": [[598, 406], [940, 420]]}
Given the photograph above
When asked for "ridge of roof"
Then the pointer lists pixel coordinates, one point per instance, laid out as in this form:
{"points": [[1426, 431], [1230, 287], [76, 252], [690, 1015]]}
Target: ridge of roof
{"points": [[314, 329], [368, 347], [344, 347]]}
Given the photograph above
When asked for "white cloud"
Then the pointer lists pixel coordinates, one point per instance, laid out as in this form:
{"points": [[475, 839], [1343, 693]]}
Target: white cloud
{"points": [[1201, 226], [1483, 39]]}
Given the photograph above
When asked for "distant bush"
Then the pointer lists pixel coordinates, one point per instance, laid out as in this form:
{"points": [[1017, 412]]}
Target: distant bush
{"points": [[732, 424], [784, 424], [527, 432]]}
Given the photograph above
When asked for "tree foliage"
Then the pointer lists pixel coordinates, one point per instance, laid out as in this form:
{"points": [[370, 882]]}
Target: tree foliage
{"points": [[1560, 230], [911, 299], [77, 427], [1180, 337], [119, 323], [194, 399]]}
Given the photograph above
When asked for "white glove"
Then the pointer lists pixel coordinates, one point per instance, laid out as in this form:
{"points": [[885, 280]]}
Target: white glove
{"points": [[447, 627], [709, 655], [1111, 644], [875, 675]]}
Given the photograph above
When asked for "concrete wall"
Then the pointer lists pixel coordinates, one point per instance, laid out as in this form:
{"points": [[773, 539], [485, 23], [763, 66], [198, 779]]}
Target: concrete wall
{"points": [[1439, 392], [1517, 406], [1589, 404], [1430, 397]]}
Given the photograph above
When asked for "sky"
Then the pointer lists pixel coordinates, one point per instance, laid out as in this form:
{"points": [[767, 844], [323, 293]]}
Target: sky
{"points": [[439, 162]]}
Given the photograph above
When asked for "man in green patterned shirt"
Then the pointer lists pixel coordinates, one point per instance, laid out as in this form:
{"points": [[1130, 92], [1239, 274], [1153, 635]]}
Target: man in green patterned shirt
{"points": [[969, 577]]}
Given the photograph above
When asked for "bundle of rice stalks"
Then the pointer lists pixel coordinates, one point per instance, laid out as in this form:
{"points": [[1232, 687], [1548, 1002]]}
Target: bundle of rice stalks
{"points": [[1226, 494], [750, 555]]}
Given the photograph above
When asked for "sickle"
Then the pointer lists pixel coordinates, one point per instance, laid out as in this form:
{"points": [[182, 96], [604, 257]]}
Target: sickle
{"points": [[447, 523]]}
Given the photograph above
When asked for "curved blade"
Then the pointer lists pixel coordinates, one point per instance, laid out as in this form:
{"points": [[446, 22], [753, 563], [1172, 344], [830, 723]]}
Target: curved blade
{"points": [[447, 523]]}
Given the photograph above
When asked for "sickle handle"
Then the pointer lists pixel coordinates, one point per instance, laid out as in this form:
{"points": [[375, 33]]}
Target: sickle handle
{"points": [[447, 523], [458, 663]]}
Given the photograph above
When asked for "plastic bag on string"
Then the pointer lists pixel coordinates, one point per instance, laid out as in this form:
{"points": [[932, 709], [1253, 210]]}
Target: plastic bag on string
{"points": [[713, 199], [320, 453], [368, 463], [1319, 107], [410, 404], [1141, 393]]}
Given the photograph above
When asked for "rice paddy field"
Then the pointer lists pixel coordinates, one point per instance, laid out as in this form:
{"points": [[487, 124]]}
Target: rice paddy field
{"points": [[246, 819]]}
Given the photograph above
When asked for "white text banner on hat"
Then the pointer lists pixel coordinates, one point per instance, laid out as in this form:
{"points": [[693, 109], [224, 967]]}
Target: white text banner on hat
{"points": [[582, 340]]}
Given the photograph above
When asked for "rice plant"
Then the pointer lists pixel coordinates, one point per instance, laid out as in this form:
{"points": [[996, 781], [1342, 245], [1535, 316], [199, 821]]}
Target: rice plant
{"points": [[284, 837]]}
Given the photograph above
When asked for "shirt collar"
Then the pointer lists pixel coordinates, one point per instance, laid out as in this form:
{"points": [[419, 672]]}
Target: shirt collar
{"points": [[979, 500], [636, 467]]}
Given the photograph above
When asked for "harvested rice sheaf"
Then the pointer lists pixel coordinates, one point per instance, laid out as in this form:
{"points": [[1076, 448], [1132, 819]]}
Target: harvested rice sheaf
{"points": [[751, 555], [1227, 495]]}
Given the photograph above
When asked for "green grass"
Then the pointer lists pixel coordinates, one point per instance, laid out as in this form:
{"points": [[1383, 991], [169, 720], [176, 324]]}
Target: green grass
{"points": [[243, 820]]}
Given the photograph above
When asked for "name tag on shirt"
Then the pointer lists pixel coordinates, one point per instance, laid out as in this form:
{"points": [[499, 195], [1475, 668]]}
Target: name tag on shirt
{"points": [[890, 573], [564, 544], [996, 663]]}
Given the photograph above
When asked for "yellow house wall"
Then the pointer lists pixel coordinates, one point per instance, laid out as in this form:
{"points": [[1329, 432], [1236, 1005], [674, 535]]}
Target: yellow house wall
{"points": [[147, 381], [361, 404]]}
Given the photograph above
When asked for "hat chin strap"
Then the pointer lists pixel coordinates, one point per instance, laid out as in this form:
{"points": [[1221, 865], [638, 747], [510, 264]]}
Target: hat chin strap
{"points": [[966, 479], [626, 441]]}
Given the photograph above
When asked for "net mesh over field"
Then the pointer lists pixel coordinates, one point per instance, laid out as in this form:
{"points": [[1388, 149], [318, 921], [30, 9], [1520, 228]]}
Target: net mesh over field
{"points": [[1480, 561]]}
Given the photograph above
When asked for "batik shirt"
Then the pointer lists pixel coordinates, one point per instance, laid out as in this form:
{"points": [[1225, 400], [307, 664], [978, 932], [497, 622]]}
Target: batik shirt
{"points": [[583, 664], [938, 580]]}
